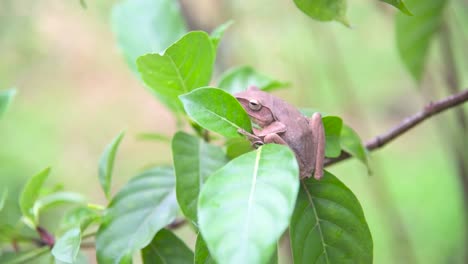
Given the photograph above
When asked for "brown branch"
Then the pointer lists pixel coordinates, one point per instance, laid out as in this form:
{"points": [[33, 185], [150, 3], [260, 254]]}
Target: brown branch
{"points": [[408, 123]]}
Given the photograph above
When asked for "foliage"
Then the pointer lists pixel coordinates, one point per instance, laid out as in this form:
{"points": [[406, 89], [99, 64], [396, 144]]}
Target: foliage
{"points": [[238, 200]]}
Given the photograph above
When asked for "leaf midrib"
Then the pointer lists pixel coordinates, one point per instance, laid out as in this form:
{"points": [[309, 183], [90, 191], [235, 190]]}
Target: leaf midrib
{"points": [[309, 197]]}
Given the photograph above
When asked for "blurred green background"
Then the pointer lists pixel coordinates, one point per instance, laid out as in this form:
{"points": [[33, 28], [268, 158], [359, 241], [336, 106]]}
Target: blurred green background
{"points": [[75, 93]]}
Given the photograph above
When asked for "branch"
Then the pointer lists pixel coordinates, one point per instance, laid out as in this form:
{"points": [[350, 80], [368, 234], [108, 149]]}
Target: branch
{"points": [[429, 110]]}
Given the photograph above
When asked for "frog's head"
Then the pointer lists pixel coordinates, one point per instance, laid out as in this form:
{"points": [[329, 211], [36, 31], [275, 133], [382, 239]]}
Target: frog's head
{"points": [[257, 104]]}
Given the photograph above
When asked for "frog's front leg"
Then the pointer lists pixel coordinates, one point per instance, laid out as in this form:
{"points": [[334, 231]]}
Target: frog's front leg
{"points": [[318, 132], [254, 140]]}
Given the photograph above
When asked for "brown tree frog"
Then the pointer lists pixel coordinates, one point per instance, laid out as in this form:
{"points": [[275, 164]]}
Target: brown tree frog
{"points": [[281, 123]]}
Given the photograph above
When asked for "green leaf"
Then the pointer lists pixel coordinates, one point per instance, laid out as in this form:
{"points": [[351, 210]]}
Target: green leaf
{"points": [[194, 160], [185, 65], [3, 199], [324, 10], [216, 110], [218, 33], [28, 256], [202, 255], [245, 206], [414, 34], [106, 164], [240, 78], [398, 4], [81, 216], [55, 199], [154, 137], [67, 246], [137, 212], [237, 146], [166, 248], [144, 26], [29, 196], [351, 143], [83, 4], [332, 126], [328, 225], [5, 100]]}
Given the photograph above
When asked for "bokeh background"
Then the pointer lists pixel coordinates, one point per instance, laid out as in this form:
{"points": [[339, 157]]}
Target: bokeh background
{"points": [[76, 92]]}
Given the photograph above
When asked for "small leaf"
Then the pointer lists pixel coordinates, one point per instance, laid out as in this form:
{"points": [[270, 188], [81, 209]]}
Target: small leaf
{"points": [[400, 5], [154, 137], [351, 143], [218, 32], [137, 212], [216, 110], [185, 65], [3, 199], [5, 100], [414, 34], [67, 246], [144, 26], [55, 199], [83, 4], [240, 78], [237, 146], [245, 206], [106, 164], [30, 194], [81, 216], [332, 126], [194, 160], [328, 225], [166, 248], [324, 10], [202, 255]]}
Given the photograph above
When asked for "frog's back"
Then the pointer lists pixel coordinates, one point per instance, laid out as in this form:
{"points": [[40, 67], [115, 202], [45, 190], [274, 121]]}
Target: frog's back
{"points": [[298, 135]]}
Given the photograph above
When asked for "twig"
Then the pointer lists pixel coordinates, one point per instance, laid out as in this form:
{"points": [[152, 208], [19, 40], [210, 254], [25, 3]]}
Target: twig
{"points": [[177, 223], [408, 123]]}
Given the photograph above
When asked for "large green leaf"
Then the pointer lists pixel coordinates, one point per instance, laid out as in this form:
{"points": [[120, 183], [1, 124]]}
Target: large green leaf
{"points": [[324, 10], [185, 65], [167, 248], [106, 164], [414, 34], [328, 225], [216, 110], [137, 212], [202, 255], [144, 26], [398, 4], [332, 126], [67, 246], [245, 206], [5, 100], [240, 78], [194, 161], [29, 196], [351, 143]]}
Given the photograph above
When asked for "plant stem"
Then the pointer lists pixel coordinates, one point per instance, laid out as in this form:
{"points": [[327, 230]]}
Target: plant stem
{"points": [[31, 255], [408, 123], [453, 85]]}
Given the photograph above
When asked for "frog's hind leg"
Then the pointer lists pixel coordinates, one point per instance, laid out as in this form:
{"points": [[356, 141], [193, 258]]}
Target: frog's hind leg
{"points": [[274, 138], [319, 144]]}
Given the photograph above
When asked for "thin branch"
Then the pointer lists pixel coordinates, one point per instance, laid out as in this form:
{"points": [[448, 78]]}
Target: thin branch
{"points": [[408, 123]]}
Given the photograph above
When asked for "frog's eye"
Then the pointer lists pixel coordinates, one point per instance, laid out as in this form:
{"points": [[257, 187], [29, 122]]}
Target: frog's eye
{"points": [[254, 105]]}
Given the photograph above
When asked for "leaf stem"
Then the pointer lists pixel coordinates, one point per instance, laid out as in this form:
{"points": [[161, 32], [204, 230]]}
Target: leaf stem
{"points": [[31, 255]]}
